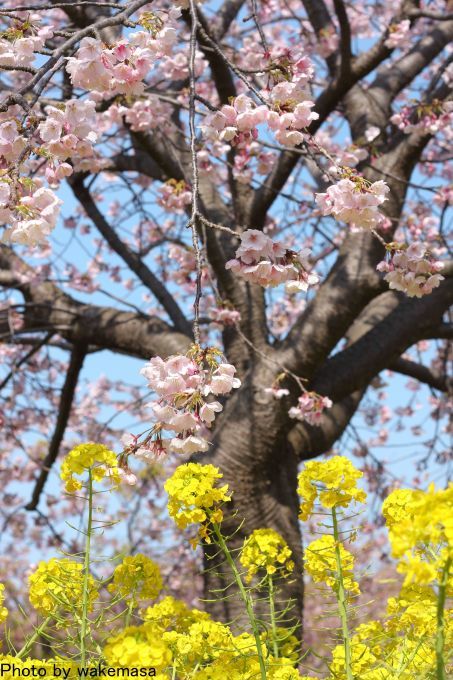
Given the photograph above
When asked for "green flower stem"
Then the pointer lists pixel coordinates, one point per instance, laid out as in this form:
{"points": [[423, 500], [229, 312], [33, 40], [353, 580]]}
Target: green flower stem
{"points": [[86, 573], [245, 597], [440, 634], [129, 612], [29, 644], [341, 599], [272, 613]]}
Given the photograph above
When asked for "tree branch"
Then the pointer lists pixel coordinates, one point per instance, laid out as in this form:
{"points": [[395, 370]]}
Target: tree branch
{"points": [[131, 258], [310, 441], [49, 309], [64, 411], [345, 38], [422, 374], [404, 322]]}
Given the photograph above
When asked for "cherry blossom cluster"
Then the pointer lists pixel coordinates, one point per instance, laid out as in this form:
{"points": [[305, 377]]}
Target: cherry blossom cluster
{"points": [[176, 67], [224, 316], [144, 114], [186, 264], [120, 69], [185, 385], [430, 118], [237, 122], [174, 196], [12, 142], [327, 41], [398, 34], [355, 201], [70, 130], [310, 407], [261, 260], [250, 160], [31, 219], [411, 270], [290, 99], [19, 44], [287, 126], [343, 155], [444, 195]]}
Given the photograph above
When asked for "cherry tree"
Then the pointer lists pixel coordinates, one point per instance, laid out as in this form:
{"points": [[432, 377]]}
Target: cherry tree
{"points": [[251, 197]]}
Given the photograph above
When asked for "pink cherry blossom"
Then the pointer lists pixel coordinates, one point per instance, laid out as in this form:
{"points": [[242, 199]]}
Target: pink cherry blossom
{"points": [[431, 118], [267, 263], [174, 196], [119, 69], [33, 218], [70, 132], [398, 34], [310, 408], [223, 316], [354, 201], [183, 384], [411, 270]]}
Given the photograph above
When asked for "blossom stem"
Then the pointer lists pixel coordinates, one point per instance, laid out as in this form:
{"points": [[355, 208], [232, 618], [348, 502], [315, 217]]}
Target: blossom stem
{"points": [[341, 599], [245, 597], [129, 613], [440, 634], [28, 645], [272, 613], [86, 573]]}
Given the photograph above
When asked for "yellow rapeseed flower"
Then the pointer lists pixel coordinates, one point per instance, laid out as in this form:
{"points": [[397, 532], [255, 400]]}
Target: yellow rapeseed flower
{"points": [[57, 585], [363, 663], [138, 647], [174, 614], [95, 457], [333, 482], [137, 577], [321, 564], [420, 525], [203, 642], [3, 610], [266, 550], [194, 497]]}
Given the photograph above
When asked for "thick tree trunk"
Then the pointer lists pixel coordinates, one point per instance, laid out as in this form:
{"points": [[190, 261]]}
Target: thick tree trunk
{"points": [[250, 447]]}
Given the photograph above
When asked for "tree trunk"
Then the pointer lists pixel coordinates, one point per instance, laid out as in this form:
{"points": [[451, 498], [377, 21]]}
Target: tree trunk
{"points": [[250, 448]]}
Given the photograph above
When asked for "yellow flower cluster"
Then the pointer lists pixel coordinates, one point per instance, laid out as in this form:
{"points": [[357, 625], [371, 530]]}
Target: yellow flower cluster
{"points": [[194, 497], [421, 532], [332, 482], [321, 564], [266, 550], [400, 646], [287, 643], [414, 610], [3, 610], [184, 643], [57, 585], [173, 613], [379, 654], [95, 457], [203, 642], [138, 577], [138, 647], [362, 661], [246, 667]]}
